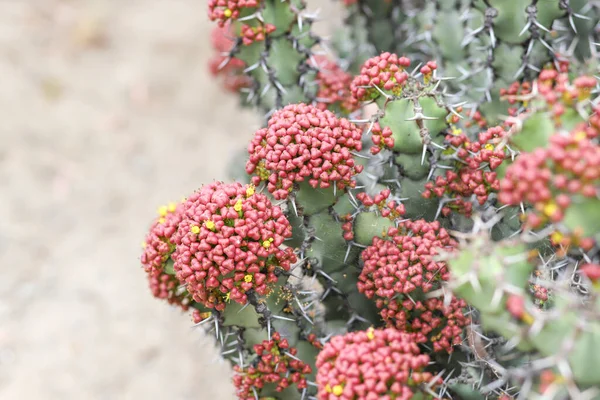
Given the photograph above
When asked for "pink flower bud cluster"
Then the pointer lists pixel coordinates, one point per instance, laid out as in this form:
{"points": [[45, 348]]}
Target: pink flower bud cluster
{"points": [[591, 271], [230, 69], [334, 86], [555, 88], [252, 34], [548, 177], [475, 171], [301, 143], [371, 365], [225, 10], [277, 364], [158, 248], [382, 138], [386, 71], [229, 243], [402, 268], [388, 209]]}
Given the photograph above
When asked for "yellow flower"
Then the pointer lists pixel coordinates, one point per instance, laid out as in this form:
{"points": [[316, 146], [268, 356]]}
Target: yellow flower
{"points": [[248, 278], [456, 131], [161, 220], [267, 243], [371, 333], [338, 390], [250, 191], [172, 207], [228, 297], [550, 209], [227, 13], [195, 229], [162, 211], [489, 147], [209, 225], [238, 205], [144, 245]]}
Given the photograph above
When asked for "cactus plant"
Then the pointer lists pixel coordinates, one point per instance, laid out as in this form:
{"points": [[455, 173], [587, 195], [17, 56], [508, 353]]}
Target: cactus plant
{"points": [[385, 239]]}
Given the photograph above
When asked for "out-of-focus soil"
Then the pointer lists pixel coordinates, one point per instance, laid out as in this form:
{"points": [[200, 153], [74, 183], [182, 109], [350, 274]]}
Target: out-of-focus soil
{"points": [[106, 112]]}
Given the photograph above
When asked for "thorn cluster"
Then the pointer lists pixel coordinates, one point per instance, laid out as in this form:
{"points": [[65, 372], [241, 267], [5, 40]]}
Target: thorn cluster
{"points": [[302, 142], [276, 364], [474, 175], [229, 244], [372, 364], [399, 270]]}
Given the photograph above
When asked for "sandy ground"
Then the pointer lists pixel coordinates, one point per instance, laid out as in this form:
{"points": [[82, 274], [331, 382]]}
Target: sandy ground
{"points": [[106, 112]]}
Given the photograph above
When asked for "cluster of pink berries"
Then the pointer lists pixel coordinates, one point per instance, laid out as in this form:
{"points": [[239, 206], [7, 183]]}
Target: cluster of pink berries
{"points": [[386, 71], [388, 209], [555, 88], [231, 69], [548, 177], [471, 177], [303, 142], [334, 84], [158, 248], [252, 34], [382, 138], [277, 364], [403, 265], [374, 364], [229, 243], [225, 10]]}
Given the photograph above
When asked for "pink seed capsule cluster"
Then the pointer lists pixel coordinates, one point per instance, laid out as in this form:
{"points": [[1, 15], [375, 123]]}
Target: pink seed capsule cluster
{"points": [[372, 365], [252, 34], [277, 364], [474, 174], [547, 178], [386, 71], [230, 69], [381, 138], [229, 243], [158, 248], [387, 209], [225, 10], [334, 86], [400, 269], [302, 142], [555, 88]]}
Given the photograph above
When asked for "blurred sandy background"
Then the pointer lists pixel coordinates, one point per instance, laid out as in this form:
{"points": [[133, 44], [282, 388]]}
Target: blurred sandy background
{"points": [[106, 112]]}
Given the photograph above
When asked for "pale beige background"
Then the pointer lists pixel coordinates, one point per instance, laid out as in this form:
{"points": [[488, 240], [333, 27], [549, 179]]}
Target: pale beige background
{"points": [[106, 111]]}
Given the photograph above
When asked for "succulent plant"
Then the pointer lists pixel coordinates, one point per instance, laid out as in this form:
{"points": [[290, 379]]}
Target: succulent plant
{"points": [[384, 239]]}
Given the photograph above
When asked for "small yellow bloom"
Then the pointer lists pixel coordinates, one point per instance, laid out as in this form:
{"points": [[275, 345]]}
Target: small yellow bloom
{"points": [[328, 388], [209, 225], [267, 243], [550, 209], [161, 220], [371, 333], [172, 207], [238, 205], [162, 211], [579, 136], [250, 191], [228, 297], [144, 245], [556, 237], [227, 13], [338, 390], [489, 147], [195, 229], [248, 278], [456, 131]]}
